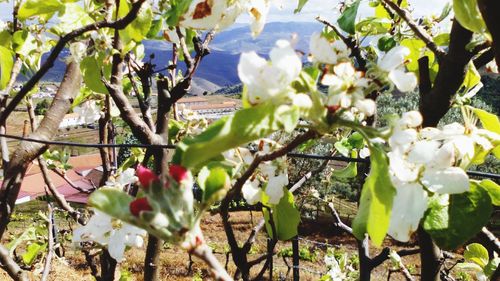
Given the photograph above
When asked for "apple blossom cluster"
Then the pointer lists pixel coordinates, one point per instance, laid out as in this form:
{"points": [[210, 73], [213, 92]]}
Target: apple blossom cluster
{"points": [[348, 87], [271, 80], [111, 233], [206, 14], [270, 178], [429, 161]]}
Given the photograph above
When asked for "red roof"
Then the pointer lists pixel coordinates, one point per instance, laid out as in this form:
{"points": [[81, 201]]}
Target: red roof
{"points": [[33, 184]]}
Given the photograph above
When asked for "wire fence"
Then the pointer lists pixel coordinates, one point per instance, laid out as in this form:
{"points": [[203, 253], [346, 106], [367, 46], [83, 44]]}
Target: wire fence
{"points": [[170, 146]]}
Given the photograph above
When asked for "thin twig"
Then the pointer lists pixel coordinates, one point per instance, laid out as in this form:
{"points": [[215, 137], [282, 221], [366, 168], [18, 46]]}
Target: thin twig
{"points": [[350, 42], [417, 29], [50, 250], [49, 62], [205, 253]]}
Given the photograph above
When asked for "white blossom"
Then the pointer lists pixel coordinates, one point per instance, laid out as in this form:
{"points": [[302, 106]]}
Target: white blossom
{"points": [[275, 187], [269, 80], [78, 51], [409, 206], [346, 86], [324, 51], [252, 193], [393, 64], [89, 111], [105, 231]]}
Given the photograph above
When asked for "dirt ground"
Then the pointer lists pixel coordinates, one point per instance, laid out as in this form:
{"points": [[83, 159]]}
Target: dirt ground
{"points": [[314, 239]]}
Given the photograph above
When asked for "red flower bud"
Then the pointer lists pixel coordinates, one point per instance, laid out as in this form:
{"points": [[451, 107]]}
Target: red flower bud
{"points": [[332, 108], [178, 172], [146, 176], [139, 205]]}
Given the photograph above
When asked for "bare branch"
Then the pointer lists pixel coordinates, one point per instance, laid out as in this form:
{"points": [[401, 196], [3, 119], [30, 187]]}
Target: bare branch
{"points": [[350, 42], [50, 250], [204, 252], [12, 268], [417, 29]]}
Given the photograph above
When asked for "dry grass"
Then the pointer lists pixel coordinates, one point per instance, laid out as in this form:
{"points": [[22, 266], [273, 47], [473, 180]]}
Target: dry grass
{"points": [[175, 261]]}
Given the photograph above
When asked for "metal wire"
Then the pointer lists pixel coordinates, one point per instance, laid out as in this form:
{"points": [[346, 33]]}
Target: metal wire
{"points": [[169, 146]]}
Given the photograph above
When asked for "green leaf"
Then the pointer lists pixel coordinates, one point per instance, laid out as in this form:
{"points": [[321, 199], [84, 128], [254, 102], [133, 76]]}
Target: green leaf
{"points": [[91, 70], [381, 12], [477, 254], [373, 26], [489, 121], [490, 268], [385, 43], [350, 171], [244, 126], [454, 224], [112, 202], [211, 181], [493, 190], [286, 217], [32, 251], [155, 29], [300, 6], [177, 9], [139, 28], [472, 77], [376, 200], [347, 20], [442, 39], [6, 63], [468, 14], [41, 8]]}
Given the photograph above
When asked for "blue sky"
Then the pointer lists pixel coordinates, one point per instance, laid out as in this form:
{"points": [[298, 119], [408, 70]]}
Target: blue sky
{"points": [[325, 8]]}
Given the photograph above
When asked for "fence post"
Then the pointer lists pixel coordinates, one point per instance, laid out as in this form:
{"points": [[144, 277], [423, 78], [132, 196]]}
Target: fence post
{"points": [[295, 249]]}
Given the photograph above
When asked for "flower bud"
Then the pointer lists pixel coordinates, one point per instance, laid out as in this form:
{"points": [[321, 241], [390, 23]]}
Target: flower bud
{"points": [[139, 205], [146, 176], [178, 172]]}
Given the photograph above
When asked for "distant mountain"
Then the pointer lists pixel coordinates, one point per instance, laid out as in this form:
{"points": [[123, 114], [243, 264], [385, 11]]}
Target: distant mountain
{"points": [[219, 68], [239, 40]]}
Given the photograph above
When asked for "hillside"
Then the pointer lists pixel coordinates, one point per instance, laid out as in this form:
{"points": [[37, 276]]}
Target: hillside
{"points": [[219, 68]]}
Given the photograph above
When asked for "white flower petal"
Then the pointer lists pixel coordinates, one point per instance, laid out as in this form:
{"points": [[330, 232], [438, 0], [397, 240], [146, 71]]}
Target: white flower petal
{"points": [[451, 180], [408, 208], [275, 187], [404, 81], [366, 106], [394, 58], [423, 151], [252, 192]]}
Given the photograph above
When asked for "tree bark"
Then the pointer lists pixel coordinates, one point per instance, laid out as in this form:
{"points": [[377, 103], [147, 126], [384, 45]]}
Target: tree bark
{"points": [[26, 152], [490, 10]]}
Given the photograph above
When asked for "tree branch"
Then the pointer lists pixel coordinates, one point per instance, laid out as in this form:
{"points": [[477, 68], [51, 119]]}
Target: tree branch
{"points": [[49, 62], [28, 151], [350, 42], [489, 9], [50, 250], [239, 256], [450, 77], [204, 252], [12, 268], [417, 29]]}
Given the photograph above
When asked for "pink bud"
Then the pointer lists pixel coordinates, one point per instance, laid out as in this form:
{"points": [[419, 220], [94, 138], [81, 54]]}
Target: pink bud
{"points": [[146, 176], [139, 205], [178, 172]]}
